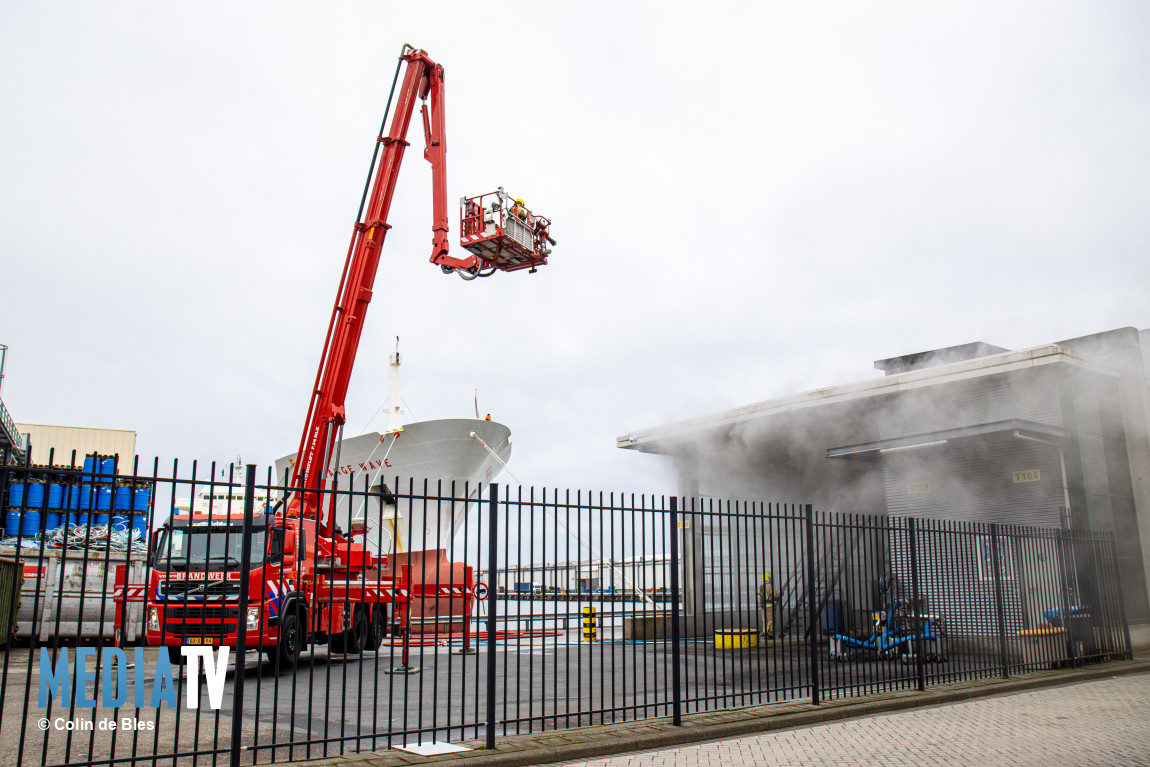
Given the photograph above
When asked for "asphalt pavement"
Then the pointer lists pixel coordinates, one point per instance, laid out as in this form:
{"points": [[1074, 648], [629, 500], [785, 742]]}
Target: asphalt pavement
{"points": [[1091, 715]]}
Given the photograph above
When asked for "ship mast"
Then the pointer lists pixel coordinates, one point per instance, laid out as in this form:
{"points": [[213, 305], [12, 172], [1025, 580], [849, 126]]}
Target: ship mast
{"points": [[395, 400]]}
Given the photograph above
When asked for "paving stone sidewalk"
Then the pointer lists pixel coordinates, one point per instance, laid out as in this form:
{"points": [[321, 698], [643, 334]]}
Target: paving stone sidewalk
{"points": [[1105, 722]]}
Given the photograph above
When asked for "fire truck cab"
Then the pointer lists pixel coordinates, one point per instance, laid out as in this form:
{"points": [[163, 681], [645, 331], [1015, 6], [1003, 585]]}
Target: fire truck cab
{"points": [[293, 593]]}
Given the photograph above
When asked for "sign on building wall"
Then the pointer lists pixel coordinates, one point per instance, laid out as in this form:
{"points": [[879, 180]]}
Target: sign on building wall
{"points": [[986, 559], [1030, 475]]}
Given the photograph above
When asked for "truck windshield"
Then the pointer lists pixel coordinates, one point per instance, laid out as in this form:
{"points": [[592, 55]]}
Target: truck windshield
{"points": [[208, 548]]}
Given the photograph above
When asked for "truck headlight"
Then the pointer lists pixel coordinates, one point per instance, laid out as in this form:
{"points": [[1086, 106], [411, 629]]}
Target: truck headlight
{"points": [[253, 618], [153, 619]]}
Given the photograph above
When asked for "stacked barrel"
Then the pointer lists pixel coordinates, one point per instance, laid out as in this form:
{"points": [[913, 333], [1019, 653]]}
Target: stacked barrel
{"points": [[50, 498]]}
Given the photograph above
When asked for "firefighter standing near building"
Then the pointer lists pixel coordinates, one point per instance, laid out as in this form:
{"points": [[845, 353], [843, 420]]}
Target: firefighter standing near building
{"points": [[766, 599]]}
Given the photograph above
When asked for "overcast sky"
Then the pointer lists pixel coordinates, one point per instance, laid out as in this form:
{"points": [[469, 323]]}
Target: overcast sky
{"points": [[750, 199]]}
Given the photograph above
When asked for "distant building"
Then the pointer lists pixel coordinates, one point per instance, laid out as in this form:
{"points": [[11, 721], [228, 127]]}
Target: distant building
{"points": [[58, 442], [1051, 436], [625, 576]]}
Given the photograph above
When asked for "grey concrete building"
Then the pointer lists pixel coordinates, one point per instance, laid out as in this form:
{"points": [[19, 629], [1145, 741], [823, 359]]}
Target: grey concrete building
{"points": [[1055, 435]]}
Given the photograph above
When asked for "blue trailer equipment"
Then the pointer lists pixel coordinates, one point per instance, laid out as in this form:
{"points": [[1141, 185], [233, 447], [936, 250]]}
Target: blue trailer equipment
{"points": [[900, 630]]}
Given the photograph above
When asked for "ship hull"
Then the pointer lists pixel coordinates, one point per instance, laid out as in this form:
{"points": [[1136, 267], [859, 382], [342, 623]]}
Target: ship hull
{"points": [[438, 458]]}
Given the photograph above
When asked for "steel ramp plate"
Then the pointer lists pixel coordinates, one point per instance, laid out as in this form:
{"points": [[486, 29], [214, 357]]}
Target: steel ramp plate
{"points": [[434, 748]]}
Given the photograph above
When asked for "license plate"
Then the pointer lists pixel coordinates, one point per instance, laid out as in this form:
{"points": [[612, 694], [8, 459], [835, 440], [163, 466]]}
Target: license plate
{"points": [[200, 640]]}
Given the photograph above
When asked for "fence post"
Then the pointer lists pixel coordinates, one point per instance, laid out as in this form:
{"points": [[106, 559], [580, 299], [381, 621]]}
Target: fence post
{"points": [[917, 620], [676, 682], [241, 619], [1116, 582], [1100, 607], [492, 604], [999, 608], [812, 606]]}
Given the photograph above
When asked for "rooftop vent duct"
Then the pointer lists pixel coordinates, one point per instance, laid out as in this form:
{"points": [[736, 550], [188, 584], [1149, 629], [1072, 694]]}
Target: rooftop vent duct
{"points": [[936, 357]]}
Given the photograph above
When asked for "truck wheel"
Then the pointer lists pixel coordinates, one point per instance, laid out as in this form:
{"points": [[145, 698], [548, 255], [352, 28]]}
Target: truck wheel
{"points": [[375, 628], [285, 654], [352, 641]]}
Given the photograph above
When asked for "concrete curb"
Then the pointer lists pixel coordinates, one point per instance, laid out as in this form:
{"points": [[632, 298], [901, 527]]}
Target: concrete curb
{"points": [[593, 742]]}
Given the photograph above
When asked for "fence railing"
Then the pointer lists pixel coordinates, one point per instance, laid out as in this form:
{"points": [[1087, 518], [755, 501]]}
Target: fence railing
{"points": [[11, 433], [485, 611]]}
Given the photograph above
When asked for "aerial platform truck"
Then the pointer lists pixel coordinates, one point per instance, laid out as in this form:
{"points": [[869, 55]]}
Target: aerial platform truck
{"points": [[307, 580]]}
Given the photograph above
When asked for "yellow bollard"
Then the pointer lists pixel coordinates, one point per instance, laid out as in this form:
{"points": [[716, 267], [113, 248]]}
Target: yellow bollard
{"points": [[588, 624]]}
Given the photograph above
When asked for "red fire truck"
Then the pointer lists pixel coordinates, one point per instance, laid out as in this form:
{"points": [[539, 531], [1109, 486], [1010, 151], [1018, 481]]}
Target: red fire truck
{"points": [[306, 580]]}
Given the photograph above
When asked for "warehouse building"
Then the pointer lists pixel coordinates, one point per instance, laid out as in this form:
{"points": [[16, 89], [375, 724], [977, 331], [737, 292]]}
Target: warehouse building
{"points": [[60, 442], [1053, 436]]}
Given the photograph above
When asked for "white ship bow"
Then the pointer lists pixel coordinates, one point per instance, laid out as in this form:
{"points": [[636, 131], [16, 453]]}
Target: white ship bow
{"points": [[448, 458]]}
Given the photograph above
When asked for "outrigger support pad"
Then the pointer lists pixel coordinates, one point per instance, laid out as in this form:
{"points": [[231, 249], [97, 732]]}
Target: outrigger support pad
{"points": [[402, 670]]}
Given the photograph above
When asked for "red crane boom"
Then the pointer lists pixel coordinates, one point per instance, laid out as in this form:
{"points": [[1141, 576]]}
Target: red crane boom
{"points": [[423, 81]]}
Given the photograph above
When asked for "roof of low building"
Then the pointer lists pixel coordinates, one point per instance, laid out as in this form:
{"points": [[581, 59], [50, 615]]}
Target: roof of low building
{"points": [[657, 439]]}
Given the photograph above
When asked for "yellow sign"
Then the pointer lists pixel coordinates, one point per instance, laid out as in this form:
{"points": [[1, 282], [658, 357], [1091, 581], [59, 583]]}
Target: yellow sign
{"points": [[684, 524], [918, 488], [1030, 475]]}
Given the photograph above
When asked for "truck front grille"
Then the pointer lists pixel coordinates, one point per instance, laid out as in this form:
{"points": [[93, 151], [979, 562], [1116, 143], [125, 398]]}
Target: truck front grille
{"points": [[199, 629], [197, 589], [200, 613]]}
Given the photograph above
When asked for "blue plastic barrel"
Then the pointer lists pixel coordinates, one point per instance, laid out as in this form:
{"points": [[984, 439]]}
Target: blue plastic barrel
{"points": [[107, 469], [16, 494], [53, 519], [73, 497], [120, 522], [78, 519], [100, 519], [122, 499], [103, 498], [141, 498], [89, 468], [834, 617], [30, 524], [86, 497], [140, 525], [55, 496], [12, 522], [34, 495]]}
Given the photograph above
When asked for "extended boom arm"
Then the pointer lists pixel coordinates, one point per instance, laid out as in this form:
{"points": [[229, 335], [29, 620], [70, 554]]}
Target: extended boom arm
{"points": [[496, 238], [423, 80]]}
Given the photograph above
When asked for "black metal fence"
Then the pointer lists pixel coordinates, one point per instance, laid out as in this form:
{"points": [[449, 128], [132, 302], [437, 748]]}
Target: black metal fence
{"points": [[506, 610]]}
